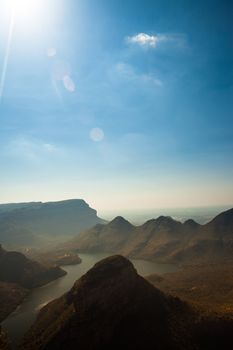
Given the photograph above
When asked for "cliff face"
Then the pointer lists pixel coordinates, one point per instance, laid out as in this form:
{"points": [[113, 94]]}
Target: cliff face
{"points": [[30, 224]]}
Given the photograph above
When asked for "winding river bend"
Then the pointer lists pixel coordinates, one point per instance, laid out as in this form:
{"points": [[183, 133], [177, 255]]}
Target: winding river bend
{"points": [[22, 318]]}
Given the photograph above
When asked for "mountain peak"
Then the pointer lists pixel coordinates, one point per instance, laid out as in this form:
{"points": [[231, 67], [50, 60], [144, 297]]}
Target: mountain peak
{"points": [[221, 226], [114, 262], [113, 270], [225, 217], [161, 220], [102, 285], [110, 267], [120, 223], [190, 223], [165, 219]]}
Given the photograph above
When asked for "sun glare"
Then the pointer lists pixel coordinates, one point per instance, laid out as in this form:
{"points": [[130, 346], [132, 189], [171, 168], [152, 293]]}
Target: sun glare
{"points": [[25, 9]]}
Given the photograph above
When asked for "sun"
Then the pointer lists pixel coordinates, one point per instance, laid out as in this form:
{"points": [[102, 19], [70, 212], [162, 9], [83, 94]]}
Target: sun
{"points": [[25, 9]]}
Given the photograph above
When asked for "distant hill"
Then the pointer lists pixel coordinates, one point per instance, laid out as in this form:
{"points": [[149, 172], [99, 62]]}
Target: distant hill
{"points": [[16, 268], [18, 274], [37, 223], [112, 307], [163, 239]]}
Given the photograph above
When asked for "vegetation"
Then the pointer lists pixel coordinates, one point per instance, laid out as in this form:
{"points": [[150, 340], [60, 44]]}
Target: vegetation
{"points": [[209, 287]]}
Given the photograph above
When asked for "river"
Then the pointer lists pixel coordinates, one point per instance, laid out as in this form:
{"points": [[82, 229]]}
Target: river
{"points": [[22, 318]]}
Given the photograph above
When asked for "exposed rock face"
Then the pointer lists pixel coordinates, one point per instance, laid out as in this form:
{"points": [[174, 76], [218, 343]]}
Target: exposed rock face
{"points": [[163, 239], [31, 223], [16, 268]]}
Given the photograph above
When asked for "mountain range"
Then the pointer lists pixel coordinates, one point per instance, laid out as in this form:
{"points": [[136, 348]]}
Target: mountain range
{"points": [[112, 307], [36, 224], [163, 239]]}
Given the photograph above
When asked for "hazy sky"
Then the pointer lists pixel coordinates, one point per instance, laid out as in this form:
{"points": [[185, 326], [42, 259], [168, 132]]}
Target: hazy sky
{"points": [[125, 103]]}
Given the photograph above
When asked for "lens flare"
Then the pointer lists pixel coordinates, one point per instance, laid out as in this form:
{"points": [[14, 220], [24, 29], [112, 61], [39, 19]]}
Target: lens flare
{"points": [[6, 58], [22, 14], [96, 134]]}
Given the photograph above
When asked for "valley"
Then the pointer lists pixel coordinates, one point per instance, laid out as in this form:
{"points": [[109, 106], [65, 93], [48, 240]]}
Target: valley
{"points": [[190, 263]]}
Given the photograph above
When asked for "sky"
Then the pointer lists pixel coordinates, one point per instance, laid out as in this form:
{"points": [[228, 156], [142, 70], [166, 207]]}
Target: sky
{"points": [[126, 104]]}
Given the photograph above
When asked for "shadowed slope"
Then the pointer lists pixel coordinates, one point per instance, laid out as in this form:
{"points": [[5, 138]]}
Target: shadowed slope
{"points": [[16, 268]]}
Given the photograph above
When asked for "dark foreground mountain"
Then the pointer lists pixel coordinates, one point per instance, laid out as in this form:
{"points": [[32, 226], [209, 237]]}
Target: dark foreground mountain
{"points": [[4, 342], [162, 239], [112, 307], [17, 275], [29, 224]]}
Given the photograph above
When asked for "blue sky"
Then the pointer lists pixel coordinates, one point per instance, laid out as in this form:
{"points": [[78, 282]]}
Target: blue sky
{"points": [[127, 104]]}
